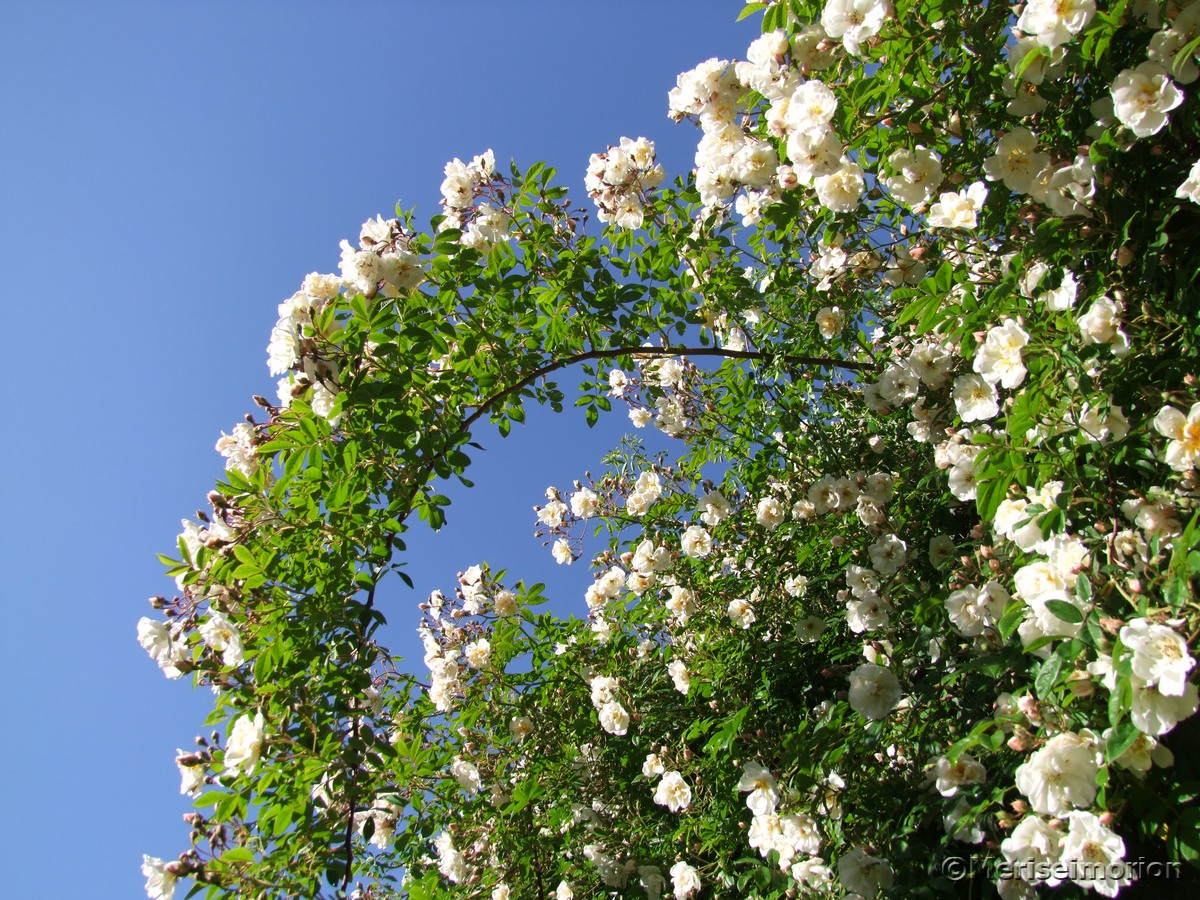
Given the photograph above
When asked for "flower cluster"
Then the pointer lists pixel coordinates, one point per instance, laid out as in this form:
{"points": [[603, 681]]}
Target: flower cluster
{"points": [[619, 179]]}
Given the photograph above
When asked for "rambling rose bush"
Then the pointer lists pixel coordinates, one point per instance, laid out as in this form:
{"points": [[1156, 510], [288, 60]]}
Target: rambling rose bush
{"points": [[917, 582]]}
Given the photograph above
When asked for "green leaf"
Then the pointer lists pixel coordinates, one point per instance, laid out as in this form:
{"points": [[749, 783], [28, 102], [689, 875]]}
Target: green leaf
{"points": [[1014, 612], [1047, 676], [751, 9], [1122, 738], [729, 730], [1068, 612], [244, 555], [1185, 836], [1120, 701]]}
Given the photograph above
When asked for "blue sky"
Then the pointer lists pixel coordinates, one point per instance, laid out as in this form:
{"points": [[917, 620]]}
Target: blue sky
{"points": [[171, 171]]}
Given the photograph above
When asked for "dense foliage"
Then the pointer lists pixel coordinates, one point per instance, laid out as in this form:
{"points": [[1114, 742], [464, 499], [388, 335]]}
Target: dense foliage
{"points": [[909, 611]]}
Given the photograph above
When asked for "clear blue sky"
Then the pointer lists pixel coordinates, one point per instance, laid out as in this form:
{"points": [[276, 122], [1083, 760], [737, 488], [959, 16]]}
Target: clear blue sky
{"points": [[168, 173]]}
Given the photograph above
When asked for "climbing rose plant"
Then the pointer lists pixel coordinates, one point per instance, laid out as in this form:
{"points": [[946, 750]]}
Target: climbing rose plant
{"points": [[915, 584]]}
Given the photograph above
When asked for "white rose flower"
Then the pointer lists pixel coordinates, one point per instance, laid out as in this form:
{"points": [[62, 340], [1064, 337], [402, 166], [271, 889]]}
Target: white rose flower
{"points": [[1190, 189], [238, 449], [813, 873], [1017, 161], [191, 773], [682, 602], [899, 384], [1060, 776], [561, 551], [973, 610], [769, 513], [961, 479], [810, 628], [1068, 189], [1093, 855], [613, 718], [958, 209], [1096, 427], [639, 582], [841, 190], [941, 550], [998, 361], [975, 399], [649, 485], [1007, 523], [864, 874], [520, 727], [919, 174], [796, 586], [1102, 325], [673, 792], [402, 269], [1143, 754], [1062, 297], [814, 154], [451, 863], [800, 834], [1142, 97], [618, 384], [640, 417], [714, 508], [653, 766], [649, 558], [467, 775], [830, 322], [1183, 452], [221, 635], [696, 542], [677, 669], [160, 883], [1160, 656], [888, 554], [854, 21], [960, 825], [760, 783], [283, 349], [361, 270], [244, 746], [585, 503], [504, 603], [156, 640], [551, 515], [811, 108], [949, 777], [685, 881], [478, 653], [766, 834], [1031, 849], [1055, 22], [869, 613], [604, 688], [1164, 49], [1154, 713], [874, 691], [741, 611], [812, 49]]}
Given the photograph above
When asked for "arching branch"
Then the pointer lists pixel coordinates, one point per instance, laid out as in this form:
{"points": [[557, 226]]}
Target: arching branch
{"points": [[566, 362]]}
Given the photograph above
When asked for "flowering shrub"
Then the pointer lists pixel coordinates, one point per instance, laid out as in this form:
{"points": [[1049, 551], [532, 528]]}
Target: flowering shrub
{"points": [[918, 582]]}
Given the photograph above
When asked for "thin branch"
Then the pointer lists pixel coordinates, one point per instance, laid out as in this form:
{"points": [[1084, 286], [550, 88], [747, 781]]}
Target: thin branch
{"points": [[541, 371]]}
